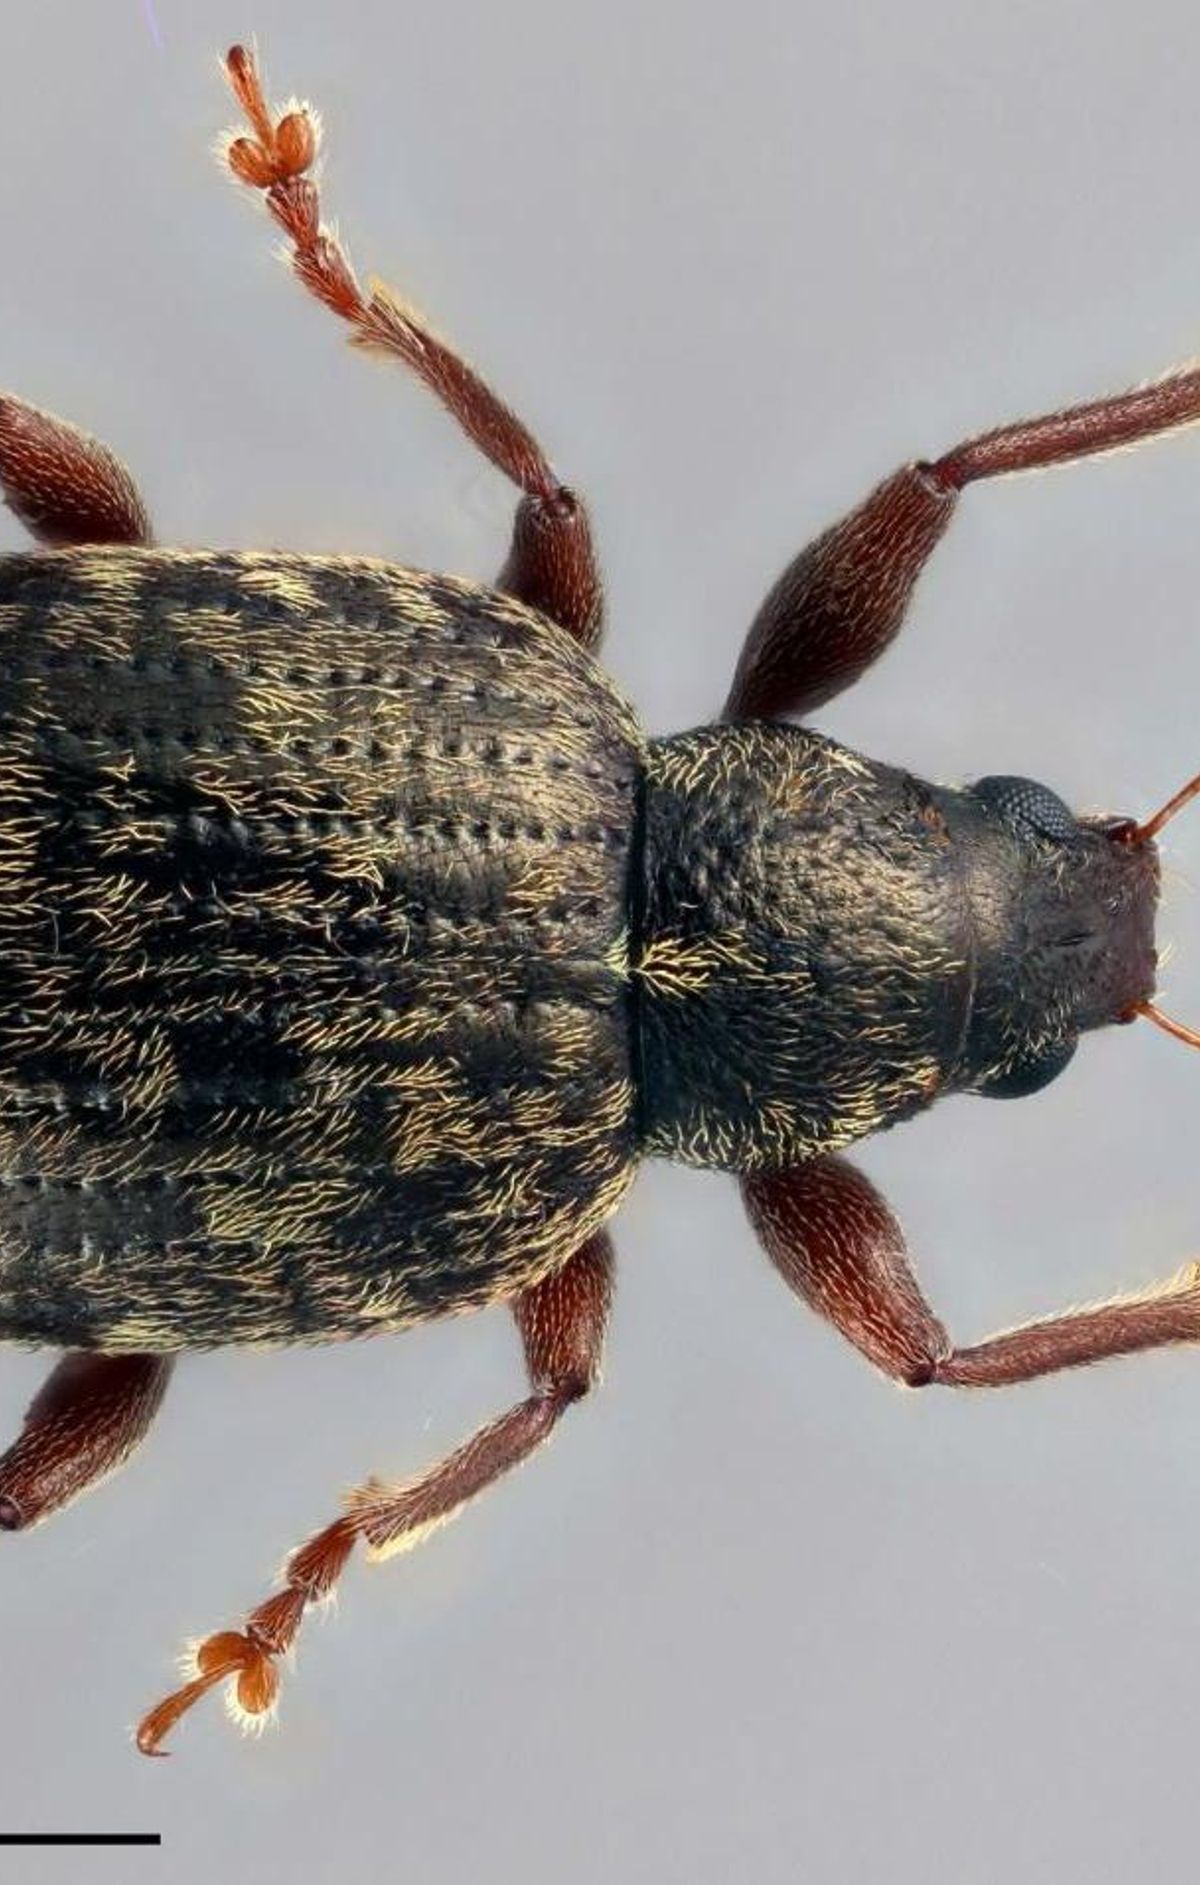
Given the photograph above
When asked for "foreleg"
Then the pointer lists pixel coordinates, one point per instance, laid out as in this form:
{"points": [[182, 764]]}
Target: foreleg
{"points": [[835, 1242], [836, 608]]}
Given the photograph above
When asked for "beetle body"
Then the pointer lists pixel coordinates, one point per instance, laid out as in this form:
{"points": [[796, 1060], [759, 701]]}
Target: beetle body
{"points": [[356, 943], [359, 943]]}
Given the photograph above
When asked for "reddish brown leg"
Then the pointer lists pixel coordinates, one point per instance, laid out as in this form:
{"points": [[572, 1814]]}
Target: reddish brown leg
{"points": [[551, 564], [89, 1415], [562, 1323], [836, 608], [64, 486], [833, 1239]]}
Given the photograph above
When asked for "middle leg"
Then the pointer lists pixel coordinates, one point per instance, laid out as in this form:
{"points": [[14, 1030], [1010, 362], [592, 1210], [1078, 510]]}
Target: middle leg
{"points": [[551, 563], [561, 1322]]}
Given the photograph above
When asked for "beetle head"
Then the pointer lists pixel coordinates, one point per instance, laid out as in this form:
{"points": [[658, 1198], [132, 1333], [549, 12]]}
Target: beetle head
{"points": [[1063, 914]]}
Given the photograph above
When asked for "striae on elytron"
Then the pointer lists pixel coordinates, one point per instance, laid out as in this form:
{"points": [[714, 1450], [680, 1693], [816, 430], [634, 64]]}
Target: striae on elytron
{"points": [[357, 943]]}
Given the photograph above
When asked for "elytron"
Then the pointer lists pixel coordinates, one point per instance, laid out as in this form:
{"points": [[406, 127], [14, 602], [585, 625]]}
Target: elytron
{"points": [[357, 944]]}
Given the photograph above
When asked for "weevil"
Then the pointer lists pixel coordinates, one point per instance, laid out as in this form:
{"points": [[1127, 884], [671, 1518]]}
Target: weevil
{"points": [[358, 944]]}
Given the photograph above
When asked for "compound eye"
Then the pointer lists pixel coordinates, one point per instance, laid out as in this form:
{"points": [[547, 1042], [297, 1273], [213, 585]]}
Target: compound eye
{"points": [[1031, 1074], [1029, 810]]}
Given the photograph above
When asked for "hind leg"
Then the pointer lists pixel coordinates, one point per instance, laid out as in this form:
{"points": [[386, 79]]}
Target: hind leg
{"points": [[551, 564], [65, 486], [88, 1416]]}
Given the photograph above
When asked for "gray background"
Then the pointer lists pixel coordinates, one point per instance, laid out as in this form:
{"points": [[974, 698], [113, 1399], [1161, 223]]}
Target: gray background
{"points": [[756, 1615]]}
